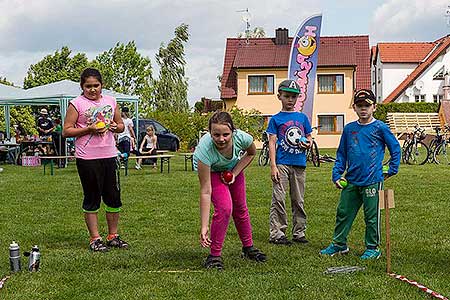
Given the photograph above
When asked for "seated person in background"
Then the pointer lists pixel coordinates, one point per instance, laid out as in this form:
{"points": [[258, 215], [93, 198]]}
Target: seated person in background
{"points": [[44, 124], [125, 138], [150, 141]]}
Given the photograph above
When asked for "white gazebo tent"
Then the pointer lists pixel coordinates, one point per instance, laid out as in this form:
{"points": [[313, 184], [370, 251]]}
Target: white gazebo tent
{"points": [[57, 93]]}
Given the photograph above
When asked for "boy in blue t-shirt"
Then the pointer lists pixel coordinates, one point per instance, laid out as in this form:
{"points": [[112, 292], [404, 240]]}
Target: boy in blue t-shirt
{"points": [[360, 155], [289, 138]]}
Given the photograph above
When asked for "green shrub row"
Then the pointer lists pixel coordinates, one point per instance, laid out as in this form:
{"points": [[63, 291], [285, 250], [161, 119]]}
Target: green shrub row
{"points": [[188, 125], [383, 109]]}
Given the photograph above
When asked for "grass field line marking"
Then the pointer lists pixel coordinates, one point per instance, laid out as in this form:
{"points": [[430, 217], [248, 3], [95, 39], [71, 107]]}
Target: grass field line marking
{"points": [[176, 271], [420, 286]]}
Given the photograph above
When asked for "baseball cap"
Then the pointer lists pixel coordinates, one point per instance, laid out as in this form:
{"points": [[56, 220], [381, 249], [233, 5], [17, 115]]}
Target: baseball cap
{"points": [[43, 111], [289, 86], [364, 95]]}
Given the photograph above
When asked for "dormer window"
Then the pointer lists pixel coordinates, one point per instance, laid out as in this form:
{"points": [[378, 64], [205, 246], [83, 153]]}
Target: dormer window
{"points": [[439, 75]]}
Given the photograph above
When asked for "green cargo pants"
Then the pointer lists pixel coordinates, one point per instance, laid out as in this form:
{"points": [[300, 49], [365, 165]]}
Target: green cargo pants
{"points": [[352, 197]]}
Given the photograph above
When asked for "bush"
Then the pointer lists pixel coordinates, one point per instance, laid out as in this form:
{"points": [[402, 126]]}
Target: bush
{"points": [[383, 109], [188, 125], [22, 116]]}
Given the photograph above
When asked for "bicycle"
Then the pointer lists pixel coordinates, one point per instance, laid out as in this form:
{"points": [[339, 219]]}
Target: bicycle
{"points": [[312, 154], [440, 153], [437, 140], [414, 151], [263, 158]]}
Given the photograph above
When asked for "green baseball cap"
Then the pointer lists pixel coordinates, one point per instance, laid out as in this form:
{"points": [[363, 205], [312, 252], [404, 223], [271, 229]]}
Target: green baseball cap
{"points": [[289, 86]]}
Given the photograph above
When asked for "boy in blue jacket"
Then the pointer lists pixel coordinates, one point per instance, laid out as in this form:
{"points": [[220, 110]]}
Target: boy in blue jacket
{"points": [[360, 154]]}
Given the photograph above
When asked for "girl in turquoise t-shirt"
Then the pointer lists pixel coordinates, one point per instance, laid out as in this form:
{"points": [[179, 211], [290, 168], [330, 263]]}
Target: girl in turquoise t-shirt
{"points": [[224, 148]]}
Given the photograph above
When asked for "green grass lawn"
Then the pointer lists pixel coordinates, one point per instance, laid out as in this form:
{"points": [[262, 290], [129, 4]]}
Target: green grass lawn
{"points": [[160, 220]]}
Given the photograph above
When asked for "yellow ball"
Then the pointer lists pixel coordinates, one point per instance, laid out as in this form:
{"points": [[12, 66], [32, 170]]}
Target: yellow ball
{"points": [[100, 125]]}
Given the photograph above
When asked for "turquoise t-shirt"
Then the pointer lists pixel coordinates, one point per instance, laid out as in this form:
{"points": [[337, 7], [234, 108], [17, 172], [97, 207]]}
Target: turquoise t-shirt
{"points": [[207, 153]]}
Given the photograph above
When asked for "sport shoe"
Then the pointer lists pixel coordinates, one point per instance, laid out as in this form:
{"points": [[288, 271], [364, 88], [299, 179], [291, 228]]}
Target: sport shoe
{"points": [[300, 240], [371, 254], [214, 262], [137, 167], [98, 246], [117, 242], [253, 253], [333, 249], [280, 241]]}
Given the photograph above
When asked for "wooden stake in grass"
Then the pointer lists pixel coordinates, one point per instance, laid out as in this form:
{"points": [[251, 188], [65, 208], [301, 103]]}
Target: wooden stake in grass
{"points": [[386, 201]]}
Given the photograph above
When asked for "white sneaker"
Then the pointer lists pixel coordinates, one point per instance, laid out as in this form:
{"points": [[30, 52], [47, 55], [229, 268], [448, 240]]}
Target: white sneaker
{"points": [[137, 167]]}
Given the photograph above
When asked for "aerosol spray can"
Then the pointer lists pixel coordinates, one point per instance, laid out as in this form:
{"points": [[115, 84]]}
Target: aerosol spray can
{"points": [[34, 259], [14, 257]]}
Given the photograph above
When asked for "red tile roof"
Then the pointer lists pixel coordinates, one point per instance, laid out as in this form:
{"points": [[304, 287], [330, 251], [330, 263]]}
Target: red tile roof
{"points": [[441, 46], [264, 53], [404, 52]]}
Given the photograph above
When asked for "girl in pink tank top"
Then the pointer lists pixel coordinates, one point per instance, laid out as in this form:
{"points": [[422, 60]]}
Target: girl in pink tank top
{"points": [[92, 119]]}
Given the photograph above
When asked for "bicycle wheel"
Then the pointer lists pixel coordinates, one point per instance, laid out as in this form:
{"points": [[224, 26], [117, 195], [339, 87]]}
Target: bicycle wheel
{"points": [[263, 156], [441, 155], [315, 158], [417, 154], [405, 152]]}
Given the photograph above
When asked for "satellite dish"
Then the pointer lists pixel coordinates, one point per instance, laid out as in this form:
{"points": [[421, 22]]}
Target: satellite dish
{"points": [[409, 92], [419, 85]]}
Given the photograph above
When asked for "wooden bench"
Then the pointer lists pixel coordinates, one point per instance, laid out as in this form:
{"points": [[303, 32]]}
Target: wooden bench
{"points": [[188, 157], [45, 160], [402, 123], [164, 158]]}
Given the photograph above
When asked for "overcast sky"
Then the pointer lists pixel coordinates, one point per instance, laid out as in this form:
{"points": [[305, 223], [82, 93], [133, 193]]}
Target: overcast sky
{"points": [[29, 30]]}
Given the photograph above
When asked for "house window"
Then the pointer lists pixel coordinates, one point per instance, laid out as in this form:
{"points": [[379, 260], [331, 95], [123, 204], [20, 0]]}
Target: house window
{"points": [[330, 84], [419, 98], [331, 124], [437, 98], [439, 75], [260, 84]]}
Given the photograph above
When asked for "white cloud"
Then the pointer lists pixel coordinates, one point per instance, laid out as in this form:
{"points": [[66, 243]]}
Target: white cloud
{"points": [[406, 20]]}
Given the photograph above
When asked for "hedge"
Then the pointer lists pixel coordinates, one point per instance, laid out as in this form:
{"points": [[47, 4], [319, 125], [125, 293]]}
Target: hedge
{"points": [[188, 125]]}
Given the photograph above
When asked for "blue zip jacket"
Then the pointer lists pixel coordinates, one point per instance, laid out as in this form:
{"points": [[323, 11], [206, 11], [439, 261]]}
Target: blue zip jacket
{"points": [[361, 152]]}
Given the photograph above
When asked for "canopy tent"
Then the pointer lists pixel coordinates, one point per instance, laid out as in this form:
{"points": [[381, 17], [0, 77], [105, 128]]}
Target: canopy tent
{"points": [[57, 93]]}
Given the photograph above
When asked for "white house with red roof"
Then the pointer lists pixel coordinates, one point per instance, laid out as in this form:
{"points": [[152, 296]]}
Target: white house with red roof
{"points": [[254, 68], [410, 72]]}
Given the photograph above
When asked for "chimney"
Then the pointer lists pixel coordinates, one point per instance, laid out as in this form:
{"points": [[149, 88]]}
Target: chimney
{"points": [[281, 36]]}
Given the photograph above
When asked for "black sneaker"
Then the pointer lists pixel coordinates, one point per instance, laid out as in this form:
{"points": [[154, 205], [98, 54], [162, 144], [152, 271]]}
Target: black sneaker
{"points": [[253, 253], [214, 262], [281, 241], [98, 246], [117, 242], [300, 240]]}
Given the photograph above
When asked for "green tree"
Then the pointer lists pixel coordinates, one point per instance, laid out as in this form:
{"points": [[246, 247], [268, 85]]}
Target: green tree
{"points": [[126, 71], [19, 115], [171, 87], [56, 67]]}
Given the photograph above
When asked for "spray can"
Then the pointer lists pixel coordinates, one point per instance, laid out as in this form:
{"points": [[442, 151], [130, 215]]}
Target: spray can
{"points": [[34, 260], [14, 257]]}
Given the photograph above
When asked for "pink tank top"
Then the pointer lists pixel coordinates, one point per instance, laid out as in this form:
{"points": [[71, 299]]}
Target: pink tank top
{"points": [[94, 146]]}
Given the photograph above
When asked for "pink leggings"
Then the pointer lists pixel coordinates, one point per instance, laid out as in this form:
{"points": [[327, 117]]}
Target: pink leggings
{"points": [[229, 200]]}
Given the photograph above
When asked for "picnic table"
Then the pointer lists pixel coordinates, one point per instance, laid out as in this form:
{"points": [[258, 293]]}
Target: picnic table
{"points": [[188, 157], [164, 158], [45, 160]]}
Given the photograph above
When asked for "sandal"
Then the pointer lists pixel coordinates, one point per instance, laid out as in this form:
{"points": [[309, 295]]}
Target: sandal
{"points": [[253, 253], [214, 262]]}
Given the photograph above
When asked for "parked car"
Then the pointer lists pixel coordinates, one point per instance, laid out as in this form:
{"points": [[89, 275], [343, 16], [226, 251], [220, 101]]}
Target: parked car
{"points": [[166, 139]]}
